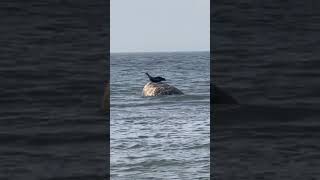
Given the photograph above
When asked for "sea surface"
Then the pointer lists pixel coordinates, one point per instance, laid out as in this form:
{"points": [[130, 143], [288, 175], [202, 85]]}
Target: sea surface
{"points": [[266, 55], [52, 70], [165, 137]]}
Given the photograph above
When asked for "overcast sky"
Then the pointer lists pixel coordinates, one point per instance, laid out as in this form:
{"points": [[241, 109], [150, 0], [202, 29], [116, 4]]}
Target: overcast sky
{"points": [[159, 25]]}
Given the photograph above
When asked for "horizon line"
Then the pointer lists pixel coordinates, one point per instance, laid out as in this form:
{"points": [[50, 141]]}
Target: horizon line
{"points": [[114, 52]]}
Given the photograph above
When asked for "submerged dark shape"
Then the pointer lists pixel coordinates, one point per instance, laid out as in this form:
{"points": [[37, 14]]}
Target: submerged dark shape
{"points": [[106, 97], [155, 79], [221, 97]]}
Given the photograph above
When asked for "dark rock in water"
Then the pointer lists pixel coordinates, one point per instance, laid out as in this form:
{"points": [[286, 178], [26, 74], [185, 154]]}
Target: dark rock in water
{"points": [[160, 88], [221, 97]]}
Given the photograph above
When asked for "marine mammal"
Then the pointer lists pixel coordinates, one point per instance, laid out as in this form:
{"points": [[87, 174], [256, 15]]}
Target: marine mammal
{"points": [[155, 79], [160, 88]]}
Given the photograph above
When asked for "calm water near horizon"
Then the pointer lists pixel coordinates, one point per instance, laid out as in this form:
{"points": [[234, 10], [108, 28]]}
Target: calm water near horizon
{"points": [[164, 137]]}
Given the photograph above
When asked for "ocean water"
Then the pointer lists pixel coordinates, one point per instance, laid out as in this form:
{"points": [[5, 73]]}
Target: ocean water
{"points": [[51, 89], [266, 56], [165, 137]]}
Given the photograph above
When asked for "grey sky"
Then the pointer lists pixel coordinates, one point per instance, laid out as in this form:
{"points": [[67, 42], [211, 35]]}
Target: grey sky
{"points": [[159, 25]]}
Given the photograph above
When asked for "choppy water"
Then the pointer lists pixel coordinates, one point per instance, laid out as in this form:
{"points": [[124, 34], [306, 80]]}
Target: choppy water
{"points": [[266, 56], [160, 137]]}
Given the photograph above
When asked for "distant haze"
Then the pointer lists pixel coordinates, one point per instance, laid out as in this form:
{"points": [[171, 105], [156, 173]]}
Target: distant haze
{"points": [[159, 25]]}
